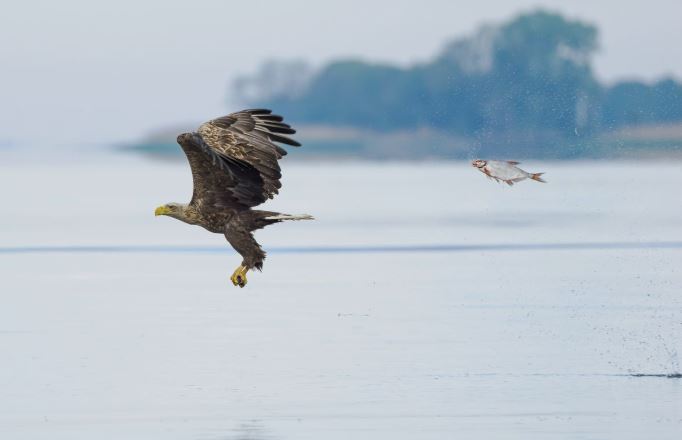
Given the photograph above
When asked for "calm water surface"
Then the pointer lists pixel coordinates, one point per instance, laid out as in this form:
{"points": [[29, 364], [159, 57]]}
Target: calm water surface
{"points": [[465, 309]]}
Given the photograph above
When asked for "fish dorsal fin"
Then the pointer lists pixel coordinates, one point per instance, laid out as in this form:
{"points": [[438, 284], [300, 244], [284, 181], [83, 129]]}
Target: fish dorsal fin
{"points": [[513, 162]]}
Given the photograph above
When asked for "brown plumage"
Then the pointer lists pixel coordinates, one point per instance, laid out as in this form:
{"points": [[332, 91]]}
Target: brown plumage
{"points": [[234, 163]]}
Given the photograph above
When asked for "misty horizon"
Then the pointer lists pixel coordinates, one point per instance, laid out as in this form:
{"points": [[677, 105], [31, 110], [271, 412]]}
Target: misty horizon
{"points": [[109, 75]]}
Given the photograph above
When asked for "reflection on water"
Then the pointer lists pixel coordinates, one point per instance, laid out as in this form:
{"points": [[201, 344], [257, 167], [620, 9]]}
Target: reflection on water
{"points": [[248, 430]]}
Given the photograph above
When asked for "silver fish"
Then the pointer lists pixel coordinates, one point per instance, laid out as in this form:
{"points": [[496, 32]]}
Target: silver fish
{"points": [[505, 171]]}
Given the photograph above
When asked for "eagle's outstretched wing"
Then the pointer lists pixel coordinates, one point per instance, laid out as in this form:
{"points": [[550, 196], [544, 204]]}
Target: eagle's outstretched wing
{"points": [[234, 159]]}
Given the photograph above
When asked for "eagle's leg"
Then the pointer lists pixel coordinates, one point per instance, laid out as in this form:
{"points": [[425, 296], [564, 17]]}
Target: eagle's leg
{"points": [[239, 233], [238, 277]]}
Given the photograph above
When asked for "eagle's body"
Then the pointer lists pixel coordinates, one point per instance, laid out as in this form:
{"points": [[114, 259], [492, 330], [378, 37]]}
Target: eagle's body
{"points": [[234, 168]]}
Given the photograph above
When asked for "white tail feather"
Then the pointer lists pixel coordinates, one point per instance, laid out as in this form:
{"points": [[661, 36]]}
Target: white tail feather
{"points": [[290, 217]]}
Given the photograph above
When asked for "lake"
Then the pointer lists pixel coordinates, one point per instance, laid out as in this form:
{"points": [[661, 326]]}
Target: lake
{"points": [[424, 302]]}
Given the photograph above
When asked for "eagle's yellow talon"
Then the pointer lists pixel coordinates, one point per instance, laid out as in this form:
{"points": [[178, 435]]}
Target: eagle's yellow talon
{"points": [[238, 278]]}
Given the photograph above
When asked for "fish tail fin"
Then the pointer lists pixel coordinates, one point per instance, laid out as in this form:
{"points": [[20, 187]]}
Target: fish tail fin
{"points": [[536, 176]]}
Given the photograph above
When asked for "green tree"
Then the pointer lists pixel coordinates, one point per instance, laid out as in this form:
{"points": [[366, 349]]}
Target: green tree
{"points": [[633, 102], [525, 81]]}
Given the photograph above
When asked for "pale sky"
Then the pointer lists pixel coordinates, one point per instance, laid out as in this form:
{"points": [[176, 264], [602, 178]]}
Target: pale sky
{"points": [[83, 71]]}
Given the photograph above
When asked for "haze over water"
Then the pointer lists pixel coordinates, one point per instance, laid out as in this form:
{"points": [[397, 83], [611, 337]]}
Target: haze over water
{"points": [[505, 313]]}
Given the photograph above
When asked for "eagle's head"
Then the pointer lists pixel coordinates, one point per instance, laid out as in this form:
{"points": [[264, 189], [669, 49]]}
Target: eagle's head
{"points": [[170, 209], [479, 163], [180, 211]]}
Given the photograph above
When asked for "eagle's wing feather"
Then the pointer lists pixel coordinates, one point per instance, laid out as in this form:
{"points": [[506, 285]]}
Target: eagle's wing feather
{"points": [[250, 136], [219, 181], [234, 158]]}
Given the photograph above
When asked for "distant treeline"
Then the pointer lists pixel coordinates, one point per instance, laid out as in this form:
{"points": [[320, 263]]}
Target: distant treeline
{"points": [[527, 80]]}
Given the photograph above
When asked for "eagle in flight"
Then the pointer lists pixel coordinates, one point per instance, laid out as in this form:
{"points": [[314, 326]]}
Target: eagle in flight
{"points": [[234, 168]]}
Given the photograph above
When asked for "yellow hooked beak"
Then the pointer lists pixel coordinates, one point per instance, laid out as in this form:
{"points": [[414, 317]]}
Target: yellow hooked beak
{"points": [[161, 210]]}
